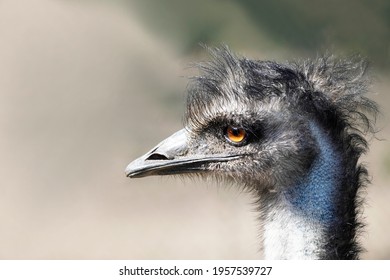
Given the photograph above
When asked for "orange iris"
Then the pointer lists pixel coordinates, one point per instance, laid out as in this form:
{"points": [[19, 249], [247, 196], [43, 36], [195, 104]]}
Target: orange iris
{"points": [[235, 134]]}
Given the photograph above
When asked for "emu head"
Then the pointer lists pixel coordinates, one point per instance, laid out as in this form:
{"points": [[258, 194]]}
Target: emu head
{"points": [[250, 121]]}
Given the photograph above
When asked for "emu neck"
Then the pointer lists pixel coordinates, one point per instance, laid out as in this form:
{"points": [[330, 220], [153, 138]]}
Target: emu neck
{"points": [[300, 221]]}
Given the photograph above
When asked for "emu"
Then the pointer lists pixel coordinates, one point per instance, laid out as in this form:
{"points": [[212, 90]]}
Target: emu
{"points": [[290, 133]]}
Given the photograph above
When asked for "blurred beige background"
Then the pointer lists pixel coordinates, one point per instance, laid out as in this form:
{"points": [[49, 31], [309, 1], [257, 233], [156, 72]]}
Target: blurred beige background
{"points": [[87, 86]]}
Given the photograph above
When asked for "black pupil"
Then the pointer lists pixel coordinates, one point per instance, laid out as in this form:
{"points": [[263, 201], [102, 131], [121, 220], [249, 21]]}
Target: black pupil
{"points": [[236, 131]]}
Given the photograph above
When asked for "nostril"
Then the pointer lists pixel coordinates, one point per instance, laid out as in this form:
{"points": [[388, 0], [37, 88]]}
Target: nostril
{"points": [[157, 156]]}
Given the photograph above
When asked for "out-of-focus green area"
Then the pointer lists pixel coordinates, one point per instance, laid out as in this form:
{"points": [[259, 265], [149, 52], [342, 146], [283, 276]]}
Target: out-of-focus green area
{"points": [[295, 27]]}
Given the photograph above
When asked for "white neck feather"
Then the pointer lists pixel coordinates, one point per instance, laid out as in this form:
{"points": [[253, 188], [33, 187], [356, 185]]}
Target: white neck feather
{"points": [[287, 235]]}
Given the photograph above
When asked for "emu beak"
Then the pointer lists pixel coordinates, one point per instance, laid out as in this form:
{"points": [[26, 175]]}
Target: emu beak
{"points": [[172, 156]]}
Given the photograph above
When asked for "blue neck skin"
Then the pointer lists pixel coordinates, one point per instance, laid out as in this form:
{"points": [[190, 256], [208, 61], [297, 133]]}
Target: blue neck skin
{"points": [[314, 196]]}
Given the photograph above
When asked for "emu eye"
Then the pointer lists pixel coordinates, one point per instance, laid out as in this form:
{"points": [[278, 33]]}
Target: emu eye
{"points": [[235, 135]]}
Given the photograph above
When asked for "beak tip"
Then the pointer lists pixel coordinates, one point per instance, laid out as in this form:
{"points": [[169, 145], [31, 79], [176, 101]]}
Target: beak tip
{"points": [[128, 171], [133, 170]]}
